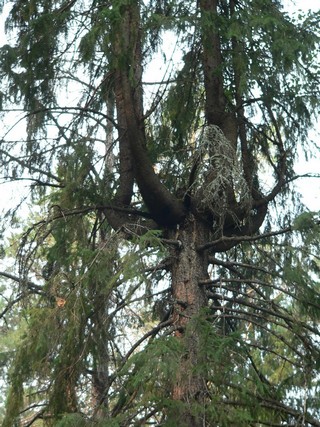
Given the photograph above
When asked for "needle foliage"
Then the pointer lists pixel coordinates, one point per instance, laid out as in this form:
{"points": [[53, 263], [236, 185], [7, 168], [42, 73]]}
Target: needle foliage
{"points": [[160, 268]]}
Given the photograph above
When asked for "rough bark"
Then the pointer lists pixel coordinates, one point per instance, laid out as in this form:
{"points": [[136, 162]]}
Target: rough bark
{"points": [[189, 301]]}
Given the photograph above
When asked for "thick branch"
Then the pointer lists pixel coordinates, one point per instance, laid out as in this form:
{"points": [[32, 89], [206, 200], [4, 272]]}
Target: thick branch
{"points": [[126, 179], [163, 206], [212, 63], [238, 71]]}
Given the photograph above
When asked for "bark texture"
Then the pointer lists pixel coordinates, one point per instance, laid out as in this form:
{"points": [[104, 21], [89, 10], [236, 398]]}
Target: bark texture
{"points": [[190, 300]]}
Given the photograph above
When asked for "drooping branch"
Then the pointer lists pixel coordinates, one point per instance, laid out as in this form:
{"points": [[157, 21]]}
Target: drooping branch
{"points": [[282, 157], [30, 167], [215, 245], [273, 404], [32, 288], [151, 333], [270, 308]]}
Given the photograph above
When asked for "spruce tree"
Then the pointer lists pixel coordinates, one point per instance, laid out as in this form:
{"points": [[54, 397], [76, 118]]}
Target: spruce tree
{"points": [[168, 273]]}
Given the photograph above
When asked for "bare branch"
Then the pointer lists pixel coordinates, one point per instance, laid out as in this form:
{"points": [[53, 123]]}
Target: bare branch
{"points": [[243, 238]]}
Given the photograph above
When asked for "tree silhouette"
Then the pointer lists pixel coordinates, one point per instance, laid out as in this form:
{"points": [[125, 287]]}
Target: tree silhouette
{"points": [[168, 273]]}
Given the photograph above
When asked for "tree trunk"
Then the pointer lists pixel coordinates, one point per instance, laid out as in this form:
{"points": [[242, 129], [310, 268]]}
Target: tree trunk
{"points": [[190, 302]]}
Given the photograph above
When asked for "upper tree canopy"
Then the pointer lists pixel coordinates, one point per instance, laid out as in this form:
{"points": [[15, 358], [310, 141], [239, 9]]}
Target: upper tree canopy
{"points": [[245, 68], [189, 177]]}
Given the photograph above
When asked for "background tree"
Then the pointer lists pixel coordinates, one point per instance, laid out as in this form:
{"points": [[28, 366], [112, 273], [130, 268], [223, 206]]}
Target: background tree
{"points": [[168, 273]]}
